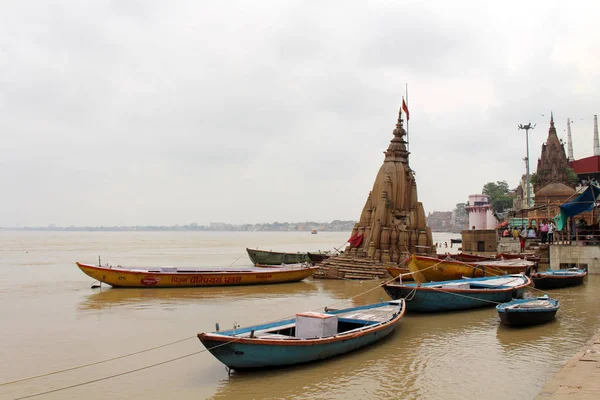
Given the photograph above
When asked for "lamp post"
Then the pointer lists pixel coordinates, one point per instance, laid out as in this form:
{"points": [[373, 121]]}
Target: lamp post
{"points": [[527, 128]]}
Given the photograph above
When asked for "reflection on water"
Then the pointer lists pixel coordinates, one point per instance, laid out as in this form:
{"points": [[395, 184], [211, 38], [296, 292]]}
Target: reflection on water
{"points": [[57, 321], [107, 297]]}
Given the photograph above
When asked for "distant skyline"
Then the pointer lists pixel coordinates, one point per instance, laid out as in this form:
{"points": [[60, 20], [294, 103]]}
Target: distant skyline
{"points": [[162, 113]]}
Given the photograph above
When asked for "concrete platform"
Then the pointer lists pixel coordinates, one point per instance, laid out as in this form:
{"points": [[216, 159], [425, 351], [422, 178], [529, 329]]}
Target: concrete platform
{"points": [[579, 378]]}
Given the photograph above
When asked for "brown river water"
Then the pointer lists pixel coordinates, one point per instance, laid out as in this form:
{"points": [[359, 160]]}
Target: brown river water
{"points": [[51, 320]]}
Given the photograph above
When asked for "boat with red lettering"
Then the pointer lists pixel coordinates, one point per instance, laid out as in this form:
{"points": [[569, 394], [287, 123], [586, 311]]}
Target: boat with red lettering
{"points": [[186, 277]]}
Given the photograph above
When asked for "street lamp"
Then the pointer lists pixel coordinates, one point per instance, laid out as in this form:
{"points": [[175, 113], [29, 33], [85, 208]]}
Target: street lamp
{"points": [[527, 128]]}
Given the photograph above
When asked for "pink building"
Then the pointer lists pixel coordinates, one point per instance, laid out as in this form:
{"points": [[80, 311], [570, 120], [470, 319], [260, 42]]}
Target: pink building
{"points": [[480, 212]]}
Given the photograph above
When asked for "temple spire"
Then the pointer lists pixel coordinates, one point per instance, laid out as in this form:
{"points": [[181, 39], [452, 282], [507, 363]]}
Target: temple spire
{"points": [[552, 129], [397, 149]]}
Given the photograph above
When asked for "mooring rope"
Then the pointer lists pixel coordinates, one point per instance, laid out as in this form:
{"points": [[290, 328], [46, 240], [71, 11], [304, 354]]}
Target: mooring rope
{"points": [[126, 372], [97, 362]]}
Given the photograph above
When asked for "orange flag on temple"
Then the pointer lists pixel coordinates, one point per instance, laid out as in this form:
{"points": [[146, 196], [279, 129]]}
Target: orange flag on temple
{"points": [[356, 239], [405, 109]]}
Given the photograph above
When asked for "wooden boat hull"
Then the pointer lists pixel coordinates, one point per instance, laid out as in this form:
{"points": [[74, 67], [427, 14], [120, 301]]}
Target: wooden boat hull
{"points": [[421, 298], [465, 257], [429, 269], [498, 267], [546, 280], [276, 258], [318, 257], [245, 353], [396, 271], [119, 277], [526, 316]]}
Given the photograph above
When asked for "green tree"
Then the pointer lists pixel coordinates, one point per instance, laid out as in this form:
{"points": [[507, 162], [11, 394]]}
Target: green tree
{"points": [[498, 193], [572, 177]]}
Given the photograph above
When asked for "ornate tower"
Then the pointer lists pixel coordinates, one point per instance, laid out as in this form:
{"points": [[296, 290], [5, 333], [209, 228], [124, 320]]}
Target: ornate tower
{"points": [[552, 165], [392, 223]]}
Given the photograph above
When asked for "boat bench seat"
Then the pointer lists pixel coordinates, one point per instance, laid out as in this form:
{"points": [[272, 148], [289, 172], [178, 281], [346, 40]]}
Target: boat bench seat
{"points": [[267, 332], [275, 336], [357, 321]]}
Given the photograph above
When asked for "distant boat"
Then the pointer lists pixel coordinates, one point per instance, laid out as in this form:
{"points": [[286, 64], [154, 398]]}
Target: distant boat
{"points": [[461, 294], [531, 311], [558, 278], [186, 277], [307, 337], [314, 231], [267, 257]]}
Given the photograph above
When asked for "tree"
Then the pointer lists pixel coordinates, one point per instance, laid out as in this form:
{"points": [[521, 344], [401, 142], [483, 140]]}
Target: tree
{"points": [[572, 177], [498, 193]]}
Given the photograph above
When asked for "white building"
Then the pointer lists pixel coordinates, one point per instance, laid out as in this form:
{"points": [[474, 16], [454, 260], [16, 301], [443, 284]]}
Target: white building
{"points": [[480, 212]]}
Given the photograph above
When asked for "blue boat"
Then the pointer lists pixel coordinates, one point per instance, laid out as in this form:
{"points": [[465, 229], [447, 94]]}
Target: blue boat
{"points": [[558, 278], [308, 337], [461, 294], [531, 311]]}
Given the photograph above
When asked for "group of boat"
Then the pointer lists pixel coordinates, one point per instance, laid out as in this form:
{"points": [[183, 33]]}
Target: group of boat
{"points": [[446, 283]]}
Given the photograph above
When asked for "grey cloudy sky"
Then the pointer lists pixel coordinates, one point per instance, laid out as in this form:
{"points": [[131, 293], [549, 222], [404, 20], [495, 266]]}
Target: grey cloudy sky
{"points": [[171, 112]]}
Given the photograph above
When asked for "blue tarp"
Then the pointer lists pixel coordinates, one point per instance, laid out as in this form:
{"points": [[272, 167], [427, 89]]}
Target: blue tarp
{"points": [[582, 203]]}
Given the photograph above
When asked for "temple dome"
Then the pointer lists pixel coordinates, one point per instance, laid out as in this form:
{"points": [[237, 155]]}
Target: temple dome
{"points": [[555, 189]]}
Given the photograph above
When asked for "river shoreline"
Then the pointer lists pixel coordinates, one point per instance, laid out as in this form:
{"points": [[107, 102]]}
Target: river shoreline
{"points": [[579, 378]]}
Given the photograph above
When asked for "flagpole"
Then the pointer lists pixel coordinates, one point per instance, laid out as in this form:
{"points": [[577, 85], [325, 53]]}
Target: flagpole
{"points": [[407, 141]]}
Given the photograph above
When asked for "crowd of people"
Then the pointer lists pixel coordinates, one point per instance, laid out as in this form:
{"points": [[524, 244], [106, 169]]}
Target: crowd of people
{"points": [[545, 232]]}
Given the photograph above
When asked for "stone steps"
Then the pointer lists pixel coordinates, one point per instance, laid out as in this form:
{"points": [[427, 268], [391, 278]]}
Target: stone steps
{"points": [[346, 267]]}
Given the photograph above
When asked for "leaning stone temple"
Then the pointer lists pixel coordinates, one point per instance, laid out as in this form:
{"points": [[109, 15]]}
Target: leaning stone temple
{"points": [[392, 223]]}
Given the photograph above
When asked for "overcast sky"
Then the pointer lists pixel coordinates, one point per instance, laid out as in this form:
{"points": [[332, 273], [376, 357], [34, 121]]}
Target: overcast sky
{"points": [[172, 112]]}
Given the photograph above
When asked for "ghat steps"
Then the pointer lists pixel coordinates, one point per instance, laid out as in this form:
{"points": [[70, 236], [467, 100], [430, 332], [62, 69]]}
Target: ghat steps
{"points": [[348, 267]]}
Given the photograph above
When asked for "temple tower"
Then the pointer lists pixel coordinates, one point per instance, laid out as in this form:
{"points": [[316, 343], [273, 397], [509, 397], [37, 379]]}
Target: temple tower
{"points": [[552, 165], [392, 204], [392, 223]]}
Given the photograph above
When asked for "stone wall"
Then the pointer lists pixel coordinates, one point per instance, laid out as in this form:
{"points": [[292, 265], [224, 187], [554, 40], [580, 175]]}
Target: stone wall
{"points": [[479, 241], [576, 255]]}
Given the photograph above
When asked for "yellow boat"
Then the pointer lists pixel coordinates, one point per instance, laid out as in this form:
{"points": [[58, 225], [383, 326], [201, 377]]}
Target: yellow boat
{"points": [[179, 277], [430, 269], [396, 271]]}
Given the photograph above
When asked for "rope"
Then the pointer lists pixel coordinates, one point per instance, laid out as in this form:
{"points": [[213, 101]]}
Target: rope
{"points": [[126, 372], [236, 260], [96, 363]]}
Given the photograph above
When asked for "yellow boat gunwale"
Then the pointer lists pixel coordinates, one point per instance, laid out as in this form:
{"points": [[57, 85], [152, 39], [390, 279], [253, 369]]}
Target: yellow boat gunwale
{"points": [[120, 277], [433, 269]]}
